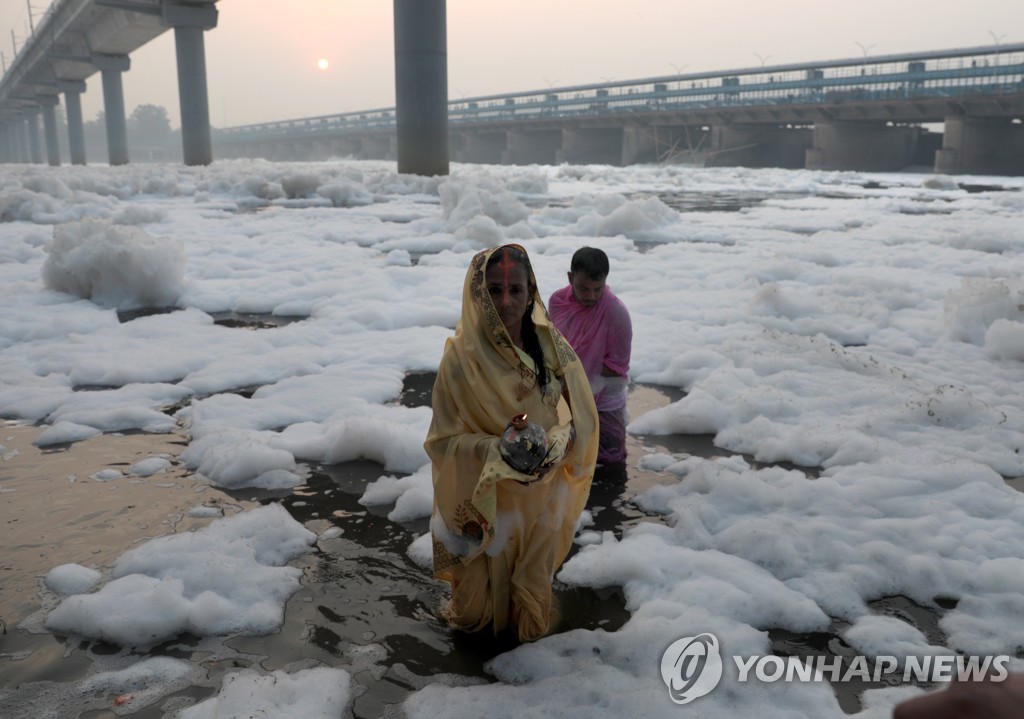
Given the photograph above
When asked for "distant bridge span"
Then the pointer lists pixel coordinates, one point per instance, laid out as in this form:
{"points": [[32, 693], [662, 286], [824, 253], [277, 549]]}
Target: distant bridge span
{"points": [[848, 114]]}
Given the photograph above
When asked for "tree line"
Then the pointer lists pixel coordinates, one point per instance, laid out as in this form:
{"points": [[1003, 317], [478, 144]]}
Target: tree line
{"points": [[150, 137]]}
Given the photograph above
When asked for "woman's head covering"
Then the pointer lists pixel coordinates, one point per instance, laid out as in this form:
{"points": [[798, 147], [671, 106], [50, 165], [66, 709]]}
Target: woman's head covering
{"points": [[482, 382], [480, 315]]}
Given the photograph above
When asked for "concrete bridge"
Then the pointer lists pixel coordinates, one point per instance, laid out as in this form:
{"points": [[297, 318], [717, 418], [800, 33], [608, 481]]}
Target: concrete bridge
{"points": [[77, 38], [956, 111], [879, 113]]}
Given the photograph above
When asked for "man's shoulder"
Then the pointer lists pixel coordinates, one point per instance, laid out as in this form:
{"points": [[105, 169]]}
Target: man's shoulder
{"points": [[616, 305], [559, 299], [561, 293]]}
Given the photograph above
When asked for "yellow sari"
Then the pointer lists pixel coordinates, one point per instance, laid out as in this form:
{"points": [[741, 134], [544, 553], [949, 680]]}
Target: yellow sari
{"points": [[498, 541]]}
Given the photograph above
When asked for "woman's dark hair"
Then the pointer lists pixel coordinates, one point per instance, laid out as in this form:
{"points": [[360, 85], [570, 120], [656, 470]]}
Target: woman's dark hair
{"points": [[530, 338], [591, 261]]}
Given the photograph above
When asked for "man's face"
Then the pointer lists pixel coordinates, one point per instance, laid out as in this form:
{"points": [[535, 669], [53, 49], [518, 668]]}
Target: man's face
{"points": [[586, 291]]}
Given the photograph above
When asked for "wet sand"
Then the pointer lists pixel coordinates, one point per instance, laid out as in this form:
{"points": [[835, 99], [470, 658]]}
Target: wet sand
{"points": [[54, 512]]}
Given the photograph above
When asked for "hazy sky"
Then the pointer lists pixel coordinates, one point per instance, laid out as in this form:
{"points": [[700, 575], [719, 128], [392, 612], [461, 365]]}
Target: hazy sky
{"points": [[262, 57]]}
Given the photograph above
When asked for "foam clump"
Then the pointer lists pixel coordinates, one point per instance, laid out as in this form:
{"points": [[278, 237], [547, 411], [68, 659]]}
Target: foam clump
{"points": [[228, 577], [68, 579], [115, 266], [318, 693]]}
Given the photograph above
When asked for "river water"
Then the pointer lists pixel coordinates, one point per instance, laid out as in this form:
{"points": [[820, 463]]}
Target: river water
{"points": [[364, 605]]}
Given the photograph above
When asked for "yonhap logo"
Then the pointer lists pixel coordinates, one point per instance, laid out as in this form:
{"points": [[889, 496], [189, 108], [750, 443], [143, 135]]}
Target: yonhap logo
{"points": [[691, 667]]}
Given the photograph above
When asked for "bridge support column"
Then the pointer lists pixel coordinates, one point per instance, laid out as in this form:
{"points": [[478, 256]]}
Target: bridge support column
{"points": [[421, 86], [981, 147], [14, 140], [10, 147], [638, 145], [32, 124], [739, 145], [7, 153], [599, 147], [15, 150], [49, 105], [111, 68], [320, 149], [343, 147], [6, 144], [375, 148], [532, 148], [24, 150], [189, 23], [483, 147], [864, 146], [73, 90]]}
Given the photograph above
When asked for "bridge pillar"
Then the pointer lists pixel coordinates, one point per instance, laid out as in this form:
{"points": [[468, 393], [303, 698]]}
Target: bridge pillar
{"points": [[339, 147], [189, 23], [870, 147], [10, 148], [456, 147], [111, 68], [742, 145], [375, 147], [6, 143], [32, 124], [49, 105], [483, 147], [593, 146], [638, 146], [17, 149], [350, 147], [320, 149], [24, 150], [532, 148], [981, 146], [13, 150], [421, 86], [73, 90]]}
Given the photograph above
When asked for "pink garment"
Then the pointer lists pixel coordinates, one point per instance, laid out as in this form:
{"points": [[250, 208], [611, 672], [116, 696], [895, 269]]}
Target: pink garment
{"points": [[612, 436], [602, 336]]}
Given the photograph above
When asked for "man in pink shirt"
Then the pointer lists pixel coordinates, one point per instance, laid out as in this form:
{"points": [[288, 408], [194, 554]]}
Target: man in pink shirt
{"points": [[597, 325]]}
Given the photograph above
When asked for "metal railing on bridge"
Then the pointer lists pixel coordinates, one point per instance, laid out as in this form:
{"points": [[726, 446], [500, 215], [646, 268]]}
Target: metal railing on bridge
{"points": [[988, 70]]}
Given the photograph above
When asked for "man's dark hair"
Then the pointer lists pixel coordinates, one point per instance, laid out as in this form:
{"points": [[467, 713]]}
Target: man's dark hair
{"points": [[590, 260]]}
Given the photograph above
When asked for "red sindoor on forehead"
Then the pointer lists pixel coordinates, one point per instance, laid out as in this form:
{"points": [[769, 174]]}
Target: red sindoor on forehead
{"points": [[506, 264]]}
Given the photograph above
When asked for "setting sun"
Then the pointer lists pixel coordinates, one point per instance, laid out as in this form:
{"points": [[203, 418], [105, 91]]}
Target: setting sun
{"points": [[322, 63]]}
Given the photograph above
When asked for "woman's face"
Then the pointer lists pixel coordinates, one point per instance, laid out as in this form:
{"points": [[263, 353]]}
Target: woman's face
{"points": [[509, 288]]}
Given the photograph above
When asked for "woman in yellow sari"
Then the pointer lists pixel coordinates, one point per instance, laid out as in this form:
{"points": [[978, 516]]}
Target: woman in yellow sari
{"points": [[499, 535]]}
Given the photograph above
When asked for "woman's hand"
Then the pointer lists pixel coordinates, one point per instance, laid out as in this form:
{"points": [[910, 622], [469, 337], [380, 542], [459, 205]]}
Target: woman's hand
{"points": [[560, 441], [522, 477]]}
